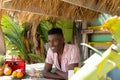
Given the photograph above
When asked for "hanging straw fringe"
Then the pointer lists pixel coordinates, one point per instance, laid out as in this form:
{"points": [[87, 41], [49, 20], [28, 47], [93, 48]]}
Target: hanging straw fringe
{"points": [[61, 8]]}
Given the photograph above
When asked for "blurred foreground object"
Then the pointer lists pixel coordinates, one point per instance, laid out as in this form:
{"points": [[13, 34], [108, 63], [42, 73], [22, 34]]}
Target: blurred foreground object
{"points": [[98, 65]]}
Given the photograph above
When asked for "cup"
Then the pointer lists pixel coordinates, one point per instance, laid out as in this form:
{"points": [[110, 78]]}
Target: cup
{"points": [[70, 74]]}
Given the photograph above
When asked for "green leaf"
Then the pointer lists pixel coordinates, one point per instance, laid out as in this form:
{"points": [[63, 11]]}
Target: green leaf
{"points": [[113, 25], [62, 23], [43, 33], [14, 53], [35, 56], [7, 22], [2, 61], [46, 24], [67, 28], [110, 60], [14, 33], [43, 28]]}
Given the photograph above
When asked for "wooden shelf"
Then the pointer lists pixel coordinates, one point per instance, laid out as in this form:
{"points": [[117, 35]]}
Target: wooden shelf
{"points": [[99, 38], [91, 31], [101, 32], [100, 45]]}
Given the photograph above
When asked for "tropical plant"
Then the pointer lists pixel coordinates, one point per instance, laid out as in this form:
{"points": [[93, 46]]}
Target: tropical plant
{"points": [[65, 25], [67, 28], [2, 60], [43, 28], [14, 35]]}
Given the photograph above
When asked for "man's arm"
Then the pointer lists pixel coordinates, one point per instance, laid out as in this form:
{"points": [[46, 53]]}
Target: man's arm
{"points": [[48, 74], [65, 74]]}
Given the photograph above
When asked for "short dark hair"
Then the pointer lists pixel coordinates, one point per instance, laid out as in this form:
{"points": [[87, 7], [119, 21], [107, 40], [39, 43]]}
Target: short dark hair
{"points": [[55, 31]]}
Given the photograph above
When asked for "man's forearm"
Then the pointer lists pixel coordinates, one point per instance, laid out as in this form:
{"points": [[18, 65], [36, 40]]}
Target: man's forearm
{"points": [[51, 75], [64, 75]]}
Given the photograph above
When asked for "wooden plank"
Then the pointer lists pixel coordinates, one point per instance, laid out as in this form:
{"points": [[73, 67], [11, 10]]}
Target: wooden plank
{"points": [[101, 45], [91, 31], [86, 31], [85, 40]]}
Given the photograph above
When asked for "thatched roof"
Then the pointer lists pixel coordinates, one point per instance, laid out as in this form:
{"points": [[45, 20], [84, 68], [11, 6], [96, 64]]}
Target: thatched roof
{"points": [[69, 9], [103, 6]]}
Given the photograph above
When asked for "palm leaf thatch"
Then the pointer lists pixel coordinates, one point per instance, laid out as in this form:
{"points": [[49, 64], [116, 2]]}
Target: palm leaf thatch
{"points": [[52, 8], [69, 9], [22, 17], [102, 6]]}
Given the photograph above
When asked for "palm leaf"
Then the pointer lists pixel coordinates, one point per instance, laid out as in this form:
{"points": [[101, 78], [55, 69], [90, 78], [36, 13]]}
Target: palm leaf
{"points": [[62, 23], [35, 56], [46, 24], [14, 33], [43, 33], [7, 21], [113, 25], [43, 28], [67, 28]]}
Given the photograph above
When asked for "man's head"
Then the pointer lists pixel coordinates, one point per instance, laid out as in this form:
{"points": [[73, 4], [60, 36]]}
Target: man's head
{"points": [[55, 39]]}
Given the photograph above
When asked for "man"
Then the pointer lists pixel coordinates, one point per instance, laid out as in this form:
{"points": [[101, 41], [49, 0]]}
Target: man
{"points": [[64, 56]]}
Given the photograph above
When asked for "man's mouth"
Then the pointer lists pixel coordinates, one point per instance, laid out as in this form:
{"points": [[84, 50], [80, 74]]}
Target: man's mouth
{"points": [[52, 48]]}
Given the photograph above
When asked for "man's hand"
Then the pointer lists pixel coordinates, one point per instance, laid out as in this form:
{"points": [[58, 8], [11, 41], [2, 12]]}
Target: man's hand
{"points": [[64, 75], [58, 74], [48, 74]]}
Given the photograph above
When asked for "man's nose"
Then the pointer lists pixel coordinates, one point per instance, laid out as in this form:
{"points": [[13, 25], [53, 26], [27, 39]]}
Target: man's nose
{"points": [[52, 43]]}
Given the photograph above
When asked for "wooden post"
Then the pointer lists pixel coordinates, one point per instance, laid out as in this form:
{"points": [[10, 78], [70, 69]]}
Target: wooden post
{"points": [[85, 40], [77, 36]]}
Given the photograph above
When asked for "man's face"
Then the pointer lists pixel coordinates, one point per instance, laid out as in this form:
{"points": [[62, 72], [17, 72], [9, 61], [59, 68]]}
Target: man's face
{"points": [[55, 42]]}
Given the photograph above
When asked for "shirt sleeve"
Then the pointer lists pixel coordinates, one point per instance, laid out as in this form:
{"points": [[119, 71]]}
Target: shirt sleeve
{"points": [[74, 55], [49, 58]]}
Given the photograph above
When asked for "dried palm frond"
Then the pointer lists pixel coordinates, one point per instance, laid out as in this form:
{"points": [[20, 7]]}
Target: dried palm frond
{"points": [[52, 8], [69, 9]]}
